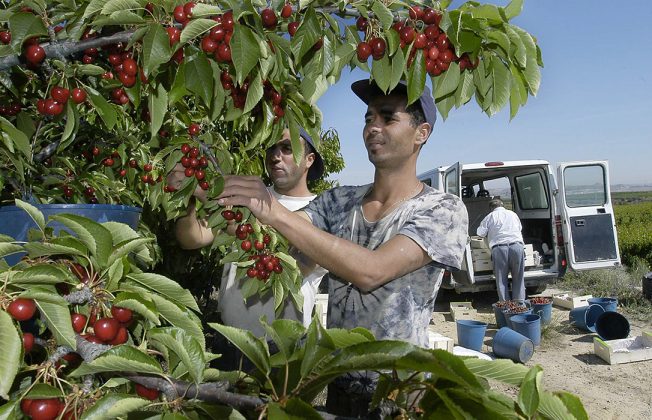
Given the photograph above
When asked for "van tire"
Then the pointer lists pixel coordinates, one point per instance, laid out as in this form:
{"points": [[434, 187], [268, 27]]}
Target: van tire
{"points": [[535, 290]]}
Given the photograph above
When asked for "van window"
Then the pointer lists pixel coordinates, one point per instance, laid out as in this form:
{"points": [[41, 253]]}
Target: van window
{"points": [[585, 186], [427, 182], [531, 191], [451, 182]]}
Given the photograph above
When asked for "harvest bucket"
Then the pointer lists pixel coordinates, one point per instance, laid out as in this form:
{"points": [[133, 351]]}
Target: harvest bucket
{"points": [[500, 316], [470, 334], [529, 325], [584, 317], [607, 303], [15, 222], [512, 345], [612, 326], [508, 316], [544, 310]]}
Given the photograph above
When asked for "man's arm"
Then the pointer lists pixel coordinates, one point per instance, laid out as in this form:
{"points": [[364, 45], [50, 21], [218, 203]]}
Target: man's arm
{"points": [[483, 229], [367, 269]]}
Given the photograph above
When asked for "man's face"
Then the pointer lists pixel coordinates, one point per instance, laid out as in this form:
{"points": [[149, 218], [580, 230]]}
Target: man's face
{"points": [[280, 165], [388, 132]]}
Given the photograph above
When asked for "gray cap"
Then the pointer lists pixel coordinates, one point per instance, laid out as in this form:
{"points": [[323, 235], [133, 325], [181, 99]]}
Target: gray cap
{"points": [[317, 168], [367, 89]]}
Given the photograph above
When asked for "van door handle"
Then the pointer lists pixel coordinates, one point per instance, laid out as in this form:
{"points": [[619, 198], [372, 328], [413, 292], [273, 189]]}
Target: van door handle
{"points": [[579, 222], [602, 211]]}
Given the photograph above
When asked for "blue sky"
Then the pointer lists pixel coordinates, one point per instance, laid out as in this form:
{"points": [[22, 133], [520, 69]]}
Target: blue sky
{"points": [[594, 103]]}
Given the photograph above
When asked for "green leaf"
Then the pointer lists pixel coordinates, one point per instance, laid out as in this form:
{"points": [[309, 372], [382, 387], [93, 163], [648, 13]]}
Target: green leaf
{"points": [[255, 349], [502, 370], [552, 407], [448, 82], [500, 38], [195, 28], [517, 51], [245, 52], [9, 249], [45, 273], [178, 89], [113, 6], [72, 121], [43, 391], [573, 404], [140, 304], [416, 77], [532, 73], [307, 34], [93, 7], [36, 249], [489, 12], [10, 410], [156, 48], [218, 412], [285, 333], [383, 14], [125, 248], [112, 406], [123, 358], [18, 139], [398, 64], [501, 83], [103, 108], [295, 408], [96, 237], [180, 317], [199, 78], [187, 349], [528, 396], [465, 89], [157, 104], [514, 8], [90, 69], [165, 287], [381, 71], [33, 212], [57, 318], [23, 26], [345, 338], [11, 350], [319, 344]]}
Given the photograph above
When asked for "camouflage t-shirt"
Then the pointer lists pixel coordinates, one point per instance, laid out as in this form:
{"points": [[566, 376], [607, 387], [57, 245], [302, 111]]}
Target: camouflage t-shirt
{"points": [[400, 309]]}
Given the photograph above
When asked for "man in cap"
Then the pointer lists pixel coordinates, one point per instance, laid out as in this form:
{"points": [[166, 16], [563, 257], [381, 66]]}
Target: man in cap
{"points": [[290, 189], [385, 244]]}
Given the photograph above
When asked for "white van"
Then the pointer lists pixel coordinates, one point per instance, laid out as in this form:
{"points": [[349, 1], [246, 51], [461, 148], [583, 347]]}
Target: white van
{"points": [[567, 220]]}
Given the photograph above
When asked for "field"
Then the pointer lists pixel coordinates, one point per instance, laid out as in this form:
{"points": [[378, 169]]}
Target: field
{"points": [[633, 211]]}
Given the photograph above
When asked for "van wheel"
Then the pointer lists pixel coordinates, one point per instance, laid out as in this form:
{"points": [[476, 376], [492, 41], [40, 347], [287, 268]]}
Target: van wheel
{"points": [[535, 290]]}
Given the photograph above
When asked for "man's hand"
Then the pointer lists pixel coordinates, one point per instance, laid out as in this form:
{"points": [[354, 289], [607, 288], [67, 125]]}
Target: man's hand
{"points": [[176, 177], [249, 191]]}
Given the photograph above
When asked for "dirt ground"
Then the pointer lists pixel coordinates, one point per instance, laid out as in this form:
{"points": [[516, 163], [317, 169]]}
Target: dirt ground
{"points": [[622, 391]]}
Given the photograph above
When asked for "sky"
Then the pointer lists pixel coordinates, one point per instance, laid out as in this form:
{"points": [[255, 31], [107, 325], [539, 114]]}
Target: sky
{"points": [[594, 102]]}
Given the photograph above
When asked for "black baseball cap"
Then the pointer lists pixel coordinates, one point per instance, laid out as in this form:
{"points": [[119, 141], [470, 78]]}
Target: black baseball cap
{"points": [[367, 89], [317, 168]]}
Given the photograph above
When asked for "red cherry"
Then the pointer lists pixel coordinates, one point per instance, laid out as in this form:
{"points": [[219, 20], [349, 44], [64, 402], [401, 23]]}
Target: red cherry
{"points": [[407, 34], [147, 167], [442, 42], [28, 342], [378, 47], [106, 328], [259, 245], [108, 162], [286, 11], [25, 405], [228, 214], [179, 14], [120, 338], [34, 54], [46, 409], [204, 185], [189, 172], [227, 21], [293, 27], [269, 18], [78, 322], [107, 75], [217, 33], [431, 16], [78, 95], [223, 53], [252, 272], [238, 216], [208, 45], [130, 66], [194, 129], [174, 34], [147, 393], [361, 23], [127, 80], [363, 51], [416, 12], [446, 56], [92, 339], [5, 37], [60, 94], [187, 9], [200, 175], [123, 315], [22, 309], [245, 245], [433, 53], [194, 152]]}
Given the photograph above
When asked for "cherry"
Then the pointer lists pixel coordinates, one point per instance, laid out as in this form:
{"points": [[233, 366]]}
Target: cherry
{"points": [[317, 46], [442, 42], [106, 328], [187, 9], [252, 272], [432, 32], [204, 185], [416, 12], [45, 409], [431, 16], [259, 245], [407, 34], [78, 95], [267, 239], [25, 405], [147, 393], [433, 53], [107, 75], [227, 21], [180, 14], [78, 269], [194, 129], [174, 34], [217, 33], [60, 94], [120, 338], [203, 162], [92, 339], [228, 214], [22, 309], [108, 162], [361, 23], [446, 56], [238, 216], [194, 152], [133, 163], [185, 148], [200, 175], [420, 41], [147, 167], [246, 245], [286, 11], [223, 52], [78, 322], [130, 67], [34, 54], [269, 18], [123, 315], [378, 47], [5, 37], [189, 172], [28, 342], [185, 162], [127, 80], [293, 27], [208, 45]]}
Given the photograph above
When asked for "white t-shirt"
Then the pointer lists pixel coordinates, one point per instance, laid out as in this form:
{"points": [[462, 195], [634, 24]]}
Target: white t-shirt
{"points": [[501, 226], [236, 312]]}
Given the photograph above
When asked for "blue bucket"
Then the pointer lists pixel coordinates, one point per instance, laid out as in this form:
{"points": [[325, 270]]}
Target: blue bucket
{"points": [[544, 310], [15, 222], [612, 326], [470, 334], [512, 345], [529, 325], [607, 303], [584, 317], [500, 316], [508, 316]]}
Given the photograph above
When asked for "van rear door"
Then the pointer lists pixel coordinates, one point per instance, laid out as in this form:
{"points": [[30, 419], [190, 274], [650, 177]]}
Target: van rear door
{"points": [[589, 223], [453, 185]]}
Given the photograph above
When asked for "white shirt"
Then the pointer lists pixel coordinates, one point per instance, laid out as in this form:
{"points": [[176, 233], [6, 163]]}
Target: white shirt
{"points": [[501, 226], [236, 313]]}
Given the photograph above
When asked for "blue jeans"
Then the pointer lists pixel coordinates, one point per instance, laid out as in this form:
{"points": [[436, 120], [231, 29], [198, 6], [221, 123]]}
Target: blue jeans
{"points": [[509, 258]]}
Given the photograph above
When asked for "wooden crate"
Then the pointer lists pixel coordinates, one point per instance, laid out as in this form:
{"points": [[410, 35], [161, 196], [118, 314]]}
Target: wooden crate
{"points": [[438, 341], [568, 301], [463, 313], [456, 305], [633, 349]]}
